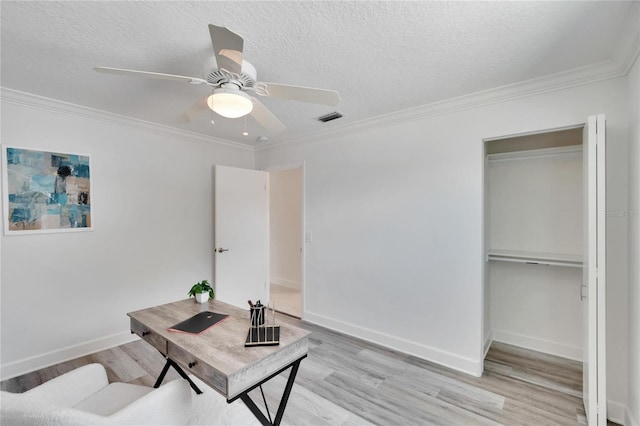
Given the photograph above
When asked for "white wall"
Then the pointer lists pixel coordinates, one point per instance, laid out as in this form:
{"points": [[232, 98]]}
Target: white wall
{"points": [[64, 294], [285, 220], [397, 218], [633, 413], [537, 307], [535, 203]]}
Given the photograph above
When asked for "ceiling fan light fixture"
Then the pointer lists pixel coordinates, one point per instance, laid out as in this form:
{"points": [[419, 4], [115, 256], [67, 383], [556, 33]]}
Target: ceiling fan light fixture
{"points": [[230, 103]]}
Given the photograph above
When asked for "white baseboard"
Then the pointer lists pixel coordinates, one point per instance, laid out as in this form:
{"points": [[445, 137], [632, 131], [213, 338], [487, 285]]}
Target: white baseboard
{"points": [[533, 343], [27, 365], [616, 412], [629, 419], [456, 362], [285, 283]]}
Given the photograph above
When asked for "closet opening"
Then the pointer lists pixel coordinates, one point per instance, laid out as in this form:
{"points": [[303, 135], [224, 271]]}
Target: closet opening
{"points": [[533, 200], [545, 254]]}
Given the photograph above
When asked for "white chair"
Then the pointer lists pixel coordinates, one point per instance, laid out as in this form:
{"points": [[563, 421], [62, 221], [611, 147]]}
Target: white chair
{"points": [[85, 397]]}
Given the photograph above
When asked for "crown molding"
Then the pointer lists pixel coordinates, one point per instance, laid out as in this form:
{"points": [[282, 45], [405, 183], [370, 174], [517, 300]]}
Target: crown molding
{"points": [[627, 63], [576, 77], [42, 103], [627, 49]]}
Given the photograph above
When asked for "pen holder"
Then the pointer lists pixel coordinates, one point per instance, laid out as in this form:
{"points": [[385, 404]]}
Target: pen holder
{"points": [[256, 315]]}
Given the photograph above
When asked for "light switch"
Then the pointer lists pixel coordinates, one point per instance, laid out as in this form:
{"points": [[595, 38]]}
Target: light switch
{"points": [[308, 237]]}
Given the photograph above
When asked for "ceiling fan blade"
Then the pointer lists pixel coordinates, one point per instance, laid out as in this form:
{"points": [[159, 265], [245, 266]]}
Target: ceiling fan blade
{"points": [[192, 80], [194, 110], [267, 120], [302, 94], [228, 47]]}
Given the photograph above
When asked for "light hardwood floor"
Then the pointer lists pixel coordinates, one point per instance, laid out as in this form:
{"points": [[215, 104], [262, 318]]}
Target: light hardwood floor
{"points": [[287, 300], [519, 387]]}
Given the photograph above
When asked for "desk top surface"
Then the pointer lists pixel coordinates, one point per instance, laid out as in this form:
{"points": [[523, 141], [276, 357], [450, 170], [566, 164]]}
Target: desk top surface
{"points": [[221, 345]]}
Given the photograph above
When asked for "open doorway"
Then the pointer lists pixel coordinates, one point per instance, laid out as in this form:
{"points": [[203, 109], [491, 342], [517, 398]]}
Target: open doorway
{"points": [[285, 247]]}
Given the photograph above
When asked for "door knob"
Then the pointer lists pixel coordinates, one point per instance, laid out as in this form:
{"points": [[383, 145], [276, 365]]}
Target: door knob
{"points": [[222, 250]]}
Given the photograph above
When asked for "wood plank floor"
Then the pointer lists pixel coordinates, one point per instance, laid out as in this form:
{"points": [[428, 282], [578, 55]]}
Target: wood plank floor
{"points": [[286, 299], [384, 387]]}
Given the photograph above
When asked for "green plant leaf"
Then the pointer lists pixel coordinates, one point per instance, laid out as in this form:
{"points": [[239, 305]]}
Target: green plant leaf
{"points": [[201, 287]]}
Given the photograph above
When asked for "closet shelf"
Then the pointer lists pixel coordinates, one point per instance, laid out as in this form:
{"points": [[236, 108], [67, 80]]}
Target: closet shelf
{"points": [[535, 258]]}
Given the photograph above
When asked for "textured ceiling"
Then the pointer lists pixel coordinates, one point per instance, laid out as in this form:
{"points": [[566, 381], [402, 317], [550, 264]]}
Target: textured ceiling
{"points": [[381, 57]]}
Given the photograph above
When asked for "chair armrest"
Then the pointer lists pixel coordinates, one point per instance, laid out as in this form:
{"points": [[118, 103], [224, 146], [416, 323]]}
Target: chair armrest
{"points": [[18, 411], [170, 404], [70, 388]]}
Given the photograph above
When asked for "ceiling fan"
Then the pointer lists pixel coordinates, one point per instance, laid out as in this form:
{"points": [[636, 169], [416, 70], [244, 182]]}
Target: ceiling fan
{"points": [[232, 79]]}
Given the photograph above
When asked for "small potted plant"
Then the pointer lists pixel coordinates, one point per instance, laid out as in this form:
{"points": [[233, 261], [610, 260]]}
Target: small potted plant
{"points": [[202, 291]]}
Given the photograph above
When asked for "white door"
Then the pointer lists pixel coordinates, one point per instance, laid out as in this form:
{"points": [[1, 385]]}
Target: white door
{"points": [[241, 226], [594, 272]]}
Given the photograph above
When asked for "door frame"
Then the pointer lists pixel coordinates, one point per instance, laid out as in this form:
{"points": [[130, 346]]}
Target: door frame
{"points": [[595, 271], [289, 166]]}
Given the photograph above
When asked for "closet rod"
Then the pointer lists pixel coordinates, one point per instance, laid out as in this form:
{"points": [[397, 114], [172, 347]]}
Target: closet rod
{"points": [[535, 261]]}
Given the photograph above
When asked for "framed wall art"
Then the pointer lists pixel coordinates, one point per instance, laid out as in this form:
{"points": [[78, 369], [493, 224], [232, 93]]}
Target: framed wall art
{"points": [[45, 191]]}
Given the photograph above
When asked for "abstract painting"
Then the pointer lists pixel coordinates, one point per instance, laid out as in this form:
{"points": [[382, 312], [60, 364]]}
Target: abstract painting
{"points": [[45, 191]]}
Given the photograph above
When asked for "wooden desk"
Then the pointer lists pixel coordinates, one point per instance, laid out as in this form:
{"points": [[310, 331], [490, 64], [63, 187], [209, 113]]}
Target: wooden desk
{"points": [[218, 356]]}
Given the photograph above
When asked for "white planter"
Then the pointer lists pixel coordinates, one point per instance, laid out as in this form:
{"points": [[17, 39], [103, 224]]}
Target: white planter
{"points": [[202, 297]]}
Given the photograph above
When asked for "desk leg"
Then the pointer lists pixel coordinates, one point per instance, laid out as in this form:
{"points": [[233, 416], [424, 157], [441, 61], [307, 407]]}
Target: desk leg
{"points": [[162, 374], [286, 393], [254, 409], [283, 401], [171, 363]]}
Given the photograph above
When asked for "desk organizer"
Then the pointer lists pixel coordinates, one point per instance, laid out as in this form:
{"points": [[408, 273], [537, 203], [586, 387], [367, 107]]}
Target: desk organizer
{"points": [[261, 334]]}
